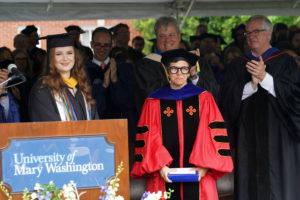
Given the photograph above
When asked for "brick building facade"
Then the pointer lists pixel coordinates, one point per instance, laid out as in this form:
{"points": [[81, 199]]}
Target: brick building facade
{"points": [[11, 28]]}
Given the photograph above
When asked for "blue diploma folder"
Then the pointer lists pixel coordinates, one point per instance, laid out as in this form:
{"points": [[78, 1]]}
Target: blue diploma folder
{"points": [[184, 175]]}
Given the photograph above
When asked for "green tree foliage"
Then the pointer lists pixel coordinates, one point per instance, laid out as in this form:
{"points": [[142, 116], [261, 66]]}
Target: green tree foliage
{"points": [[146, 28], [217, 25], [286, 20]]}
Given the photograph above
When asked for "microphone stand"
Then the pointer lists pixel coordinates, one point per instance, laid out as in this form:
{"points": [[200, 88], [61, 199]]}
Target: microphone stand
{"points": [[9, 78], [23, 79]]}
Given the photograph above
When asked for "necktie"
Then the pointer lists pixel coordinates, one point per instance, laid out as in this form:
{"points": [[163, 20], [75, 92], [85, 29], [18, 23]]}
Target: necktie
{"points": [[103, 65]]}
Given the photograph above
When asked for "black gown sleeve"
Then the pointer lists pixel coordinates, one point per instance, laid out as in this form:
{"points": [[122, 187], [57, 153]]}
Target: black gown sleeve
{"points": [[231, 96], [149, 75], [122, 91], [207, 78], [287, 89], [42, 106], [95, 115]]}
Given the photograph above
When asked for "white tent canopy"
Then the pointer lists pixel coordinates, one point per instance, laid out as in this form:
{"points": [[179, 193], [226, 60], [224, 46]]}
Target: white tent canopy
{"points": [[17, 10]]}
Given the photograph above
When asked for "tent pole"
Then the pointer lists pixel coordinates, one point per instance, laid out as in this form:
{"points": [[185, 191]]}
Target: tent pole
{"points": [[187, 13], [49, 6], [295, 4]]}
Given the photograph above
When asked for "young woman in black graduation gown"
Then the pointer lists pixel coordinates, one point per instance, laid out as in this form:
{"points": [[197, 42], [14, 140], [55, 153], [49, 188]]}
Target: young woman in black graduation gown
{"points": [[64, 93]]}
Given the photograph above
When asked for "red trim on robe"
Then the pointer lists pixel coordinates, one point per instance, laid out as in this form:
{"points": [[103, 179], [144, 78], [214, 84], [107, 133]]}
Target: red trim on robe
{"points": [[181, 138], [269, 58], [204, 154]]}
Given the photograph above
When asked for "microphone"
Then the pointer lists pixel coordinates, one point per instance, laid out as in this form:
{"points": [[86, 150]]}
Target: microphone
{"points": [[17, 77], [12, 68]]}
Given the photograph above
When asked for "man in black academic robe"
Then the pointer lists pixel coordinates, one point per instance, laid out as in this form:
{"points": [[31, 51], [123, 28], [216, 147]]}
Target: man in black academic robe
{"points": [[149, 74], [260, 101], [111, 82]]}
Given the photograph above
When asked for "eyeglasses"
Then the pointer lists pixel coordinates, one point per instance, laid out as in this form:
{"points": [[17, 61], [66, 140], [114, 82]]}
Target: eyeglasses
{"points": [[183, 70], [255, 32], [99, 45], [163, 36]]}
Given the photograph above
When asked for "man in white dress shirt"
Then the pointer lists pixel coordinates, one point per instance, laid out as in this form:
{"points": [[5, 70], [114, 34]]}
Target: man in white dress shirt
{"points": [[260, 103]]}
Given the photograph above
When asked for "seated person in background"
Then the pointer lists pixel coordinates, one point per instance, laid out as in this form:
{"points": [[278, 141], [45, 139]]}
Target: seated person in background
{"points": [[201, 28], [24, 65], [208, 49], [230, 54], [279, 34], [237, 34], [154, 47], [292, 29], [138, 43], [64, 93], [8, 106], [121, 37], [33, 40], [295, 41], [21, 41], [32, 33], [39, 59], [181, 127], [5, 54], [85, 51]]}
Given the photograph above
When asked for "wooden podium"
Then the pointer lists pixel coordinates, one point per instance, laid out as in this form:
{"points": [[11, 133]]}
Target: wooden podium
{"points": [[116, 131]]}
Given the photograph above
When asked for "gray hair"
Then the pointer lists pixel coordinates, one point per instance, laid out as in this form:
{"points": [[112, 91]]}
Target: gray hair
{"points": [[164, 22], [265, 22]]}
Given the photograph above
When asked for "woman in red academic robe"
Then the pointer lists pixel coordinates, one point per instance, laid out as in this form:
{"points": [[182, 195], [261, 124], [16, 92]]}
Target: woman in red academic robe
{"points": [[181, 127]]}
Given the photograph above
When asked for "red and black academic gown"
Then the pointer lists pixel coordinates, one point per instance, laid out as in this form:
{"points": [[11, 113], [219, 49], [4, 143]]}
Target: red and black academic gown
{"points": [[182, 128]]}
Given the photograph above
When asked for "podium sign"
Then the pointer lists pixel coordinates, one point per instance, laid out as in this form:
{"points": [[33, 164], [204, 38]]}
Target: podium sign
{"points": [[88, 161], [87, 152]]}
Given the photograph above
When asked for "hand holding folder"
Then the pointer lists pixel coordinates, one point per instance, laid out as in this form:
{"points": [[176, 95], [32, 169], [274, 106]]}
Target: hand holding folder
{"points": [[184, 175]]}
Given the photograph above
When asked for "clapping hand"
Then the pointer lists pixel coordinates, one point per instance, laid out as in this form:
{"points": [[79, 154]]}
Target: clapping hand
{"points": [[257, 69], [193, 70], [111, 74], [106, 79], [113, 70]]}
